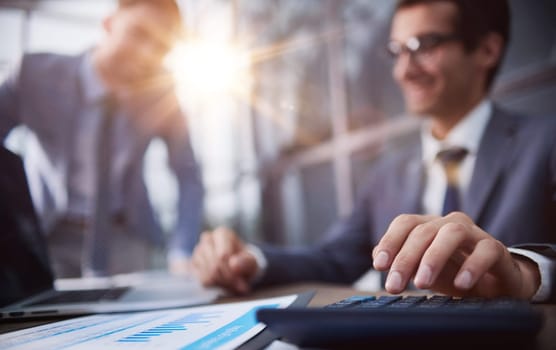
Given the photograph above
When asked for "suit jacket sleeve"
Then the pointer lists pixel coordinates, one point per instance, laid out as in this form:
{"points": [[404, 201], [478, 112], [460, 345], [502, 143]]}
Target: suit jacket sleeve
{"points": [[341, 257], [9, 102], [188, 175], [547, 251]]}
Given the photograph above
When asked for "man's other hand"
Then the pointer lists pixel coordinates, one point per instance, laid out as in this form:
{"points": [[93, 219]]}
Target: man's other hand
{"points": [[221, 259]]}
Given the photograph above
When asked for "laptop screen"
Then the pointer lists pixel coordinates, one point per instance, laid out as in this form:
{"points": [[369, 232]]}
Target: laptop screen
{"points": [[24, 265]]}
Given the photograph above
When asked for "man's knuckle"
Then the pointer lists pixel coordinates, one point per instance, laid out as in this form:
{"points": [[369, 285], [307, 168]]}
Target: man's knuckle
{"points": [[405, 220], [422, 231], [455, 228], [495, 246], [459, 216]]}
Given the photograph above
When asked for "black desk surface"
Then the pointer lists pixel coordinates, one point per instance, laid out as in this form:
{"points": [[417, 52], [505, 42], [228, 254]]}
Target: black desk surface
{"points": [[325, 294]]}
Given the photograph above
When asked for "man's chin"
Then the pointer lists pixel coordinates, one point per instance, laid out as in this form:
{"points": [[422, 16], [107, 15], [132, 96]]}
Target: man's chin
{"points": [[142, 82], [419, 109], [420, 101]]}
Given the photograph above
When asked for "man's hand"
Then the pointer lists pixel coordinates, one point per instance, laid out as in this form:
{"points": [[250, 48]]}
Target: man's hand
{"points": [[179, 266], [451, 255], [221, 259]]}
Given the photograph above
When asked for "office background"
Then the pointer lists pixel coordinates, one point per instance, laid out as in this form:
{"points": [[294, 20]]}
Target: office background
{"points": [[285, 135]]}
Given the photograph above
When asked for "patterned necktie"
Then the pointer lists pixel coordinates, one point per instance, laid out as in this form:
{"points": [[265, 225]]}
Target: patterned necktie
{"points": [[451, 160]]}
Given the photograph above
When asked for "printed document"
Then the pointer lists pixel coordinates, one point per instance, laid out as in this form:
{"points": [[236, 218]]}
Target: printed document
{"points": [[221, 326]]}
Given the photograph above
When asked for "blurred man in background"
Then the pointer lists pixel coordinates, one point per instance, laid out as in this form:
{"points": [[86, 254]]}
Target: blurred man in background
{"points": [[92, 117], [485, 179]]}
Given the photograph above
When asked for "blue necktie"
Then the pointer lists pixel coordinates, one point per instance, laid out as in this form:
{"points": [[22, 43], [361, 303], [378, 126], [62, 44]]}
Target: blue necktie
{"points": [[451, 160]]}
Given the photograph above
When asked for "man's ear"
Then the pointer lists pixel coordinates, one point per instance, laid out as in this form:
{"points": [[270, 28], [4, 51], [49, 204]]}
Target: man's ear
{"points": [[489, 52]]}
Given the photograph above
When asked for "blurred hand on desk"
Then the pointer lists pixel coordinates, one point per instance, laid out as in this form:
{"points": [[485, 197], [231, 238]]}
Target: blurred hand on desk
{"points": [[222, 259]]}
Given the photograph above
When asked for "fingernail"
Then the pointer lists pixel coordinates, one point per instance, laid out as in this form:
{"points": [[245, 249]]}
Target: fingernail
{"points": [[463, 280], [381, 260], [394, 282], [424, 276]]}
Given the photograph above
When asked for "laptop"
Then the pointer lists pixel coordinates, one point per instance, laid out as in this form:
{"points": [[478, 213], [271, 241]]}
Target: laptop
{"points": [[27, 281]]}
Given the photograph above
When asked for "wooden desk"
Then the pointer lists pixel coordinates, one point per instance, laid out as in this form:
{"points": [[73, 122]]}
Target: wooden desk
{"points": [[326, 294]]}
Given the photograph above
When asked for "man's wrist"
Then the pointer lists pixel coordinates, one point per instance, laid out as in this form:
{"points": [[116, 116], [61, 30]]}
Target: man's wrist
{"points": [[541, 266], [260, 259], [530, 276]]}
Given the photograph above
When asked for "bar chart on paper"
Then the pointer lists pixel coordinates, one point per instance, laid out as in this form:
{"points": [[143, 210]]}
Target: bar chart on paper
{"points": [[224, 326], [174, 327]]}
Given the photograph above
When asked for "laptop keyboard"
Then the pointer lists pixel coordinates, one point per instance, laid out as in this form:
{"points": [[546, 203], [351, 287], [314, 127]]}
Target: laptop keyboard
{"points": [[83, 296], [423, 302]]}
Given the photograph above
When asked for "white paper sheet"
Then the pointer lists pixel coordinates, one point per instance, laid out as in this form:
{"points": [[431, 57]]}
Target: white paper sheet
{"points": [[223, 326]]}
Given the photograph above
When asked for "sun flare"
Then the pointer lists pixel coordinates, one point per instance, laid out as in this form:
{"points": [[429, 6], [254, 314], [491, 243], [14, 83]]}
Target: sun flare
{"points": [[205, 69]]}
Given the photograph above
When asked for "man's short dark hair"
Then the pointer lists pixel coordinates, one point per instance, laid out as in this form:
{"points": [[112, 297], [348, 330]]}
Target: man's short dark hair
{"points": [[475, 19]]}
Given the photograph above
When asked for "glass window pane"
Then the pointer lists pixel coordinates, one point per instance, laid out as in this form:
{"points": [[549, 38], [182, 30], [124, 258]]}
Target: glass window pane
{"points": [[11, 24], [371, 93], [291, 92], [50, 33]]}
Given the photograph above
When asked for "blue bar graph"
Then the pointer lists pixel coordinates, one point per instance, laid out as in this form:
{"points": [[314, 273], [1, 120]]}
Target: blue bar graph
{"points": [[178, 325], [230, 331]]}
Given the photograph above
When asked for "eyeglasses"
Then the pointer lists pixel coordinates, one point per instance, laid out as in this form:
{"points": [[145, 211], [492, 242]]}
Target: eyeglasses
{"points": [[421, 46]]}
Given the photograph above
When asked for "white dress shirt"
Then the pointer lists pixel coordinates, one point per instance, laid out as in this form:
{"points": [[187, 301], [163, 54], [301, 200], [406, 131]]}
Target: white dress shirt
{"points": [[466, 134]]}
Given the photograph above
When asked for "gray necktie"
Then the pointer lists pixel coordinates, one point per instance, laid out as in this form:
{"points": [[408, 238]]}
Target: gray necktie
{"points": [[98, 247]]}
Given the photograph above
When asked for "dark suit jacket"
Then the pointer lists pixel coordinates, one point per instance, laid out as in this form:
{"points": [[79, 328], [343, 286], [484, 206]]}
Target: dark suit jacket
{"points": [[512, 196], [45, 95]]}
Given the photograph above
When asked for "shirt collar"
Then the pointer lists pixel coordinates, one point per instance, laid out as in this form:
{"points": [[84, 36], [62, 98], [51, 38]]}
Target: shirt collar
{"points": [[467, 133], [92, 86]]}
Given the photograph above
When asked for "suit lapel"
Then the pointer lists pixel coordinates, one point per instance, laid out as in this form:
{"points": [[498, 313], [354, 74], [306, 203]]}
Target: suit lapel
{"points": [[398, 187], [413, 187], [72, 89], [491, 161], [411, 181]]}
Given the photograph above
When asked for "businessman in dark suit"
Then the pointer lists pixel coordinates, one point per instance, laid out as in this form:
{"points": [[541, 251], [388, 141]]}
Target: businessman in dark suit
{"points": [[116, 97], [443, 207]]}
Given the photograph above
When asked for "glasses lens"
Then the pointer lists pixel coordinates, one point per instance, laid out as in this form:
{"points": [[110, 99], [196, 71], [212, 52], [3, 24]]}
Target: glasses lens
{"points": [[419, 46], [413, 44], [431, 41], [394, 49]]}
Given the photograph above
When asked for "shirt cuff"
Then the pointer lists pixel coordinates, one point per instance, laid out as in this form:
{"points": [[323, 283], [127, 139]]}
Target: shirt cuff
{"points": [[544, 264], [262, 263]]}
